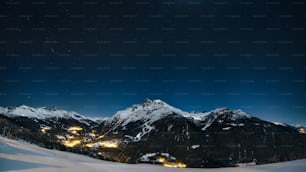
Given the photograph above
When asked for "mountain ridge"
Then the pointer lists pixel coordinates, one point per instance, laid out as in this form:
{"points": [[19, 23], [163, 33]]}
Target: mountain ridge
{"points": [[155, 132], [49, 112]]}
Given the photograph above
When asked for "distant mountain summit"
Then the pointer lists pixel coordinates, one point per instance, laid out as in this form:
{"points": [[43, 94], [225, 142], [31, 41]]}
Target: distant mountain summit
{"points": [[155, 132]]}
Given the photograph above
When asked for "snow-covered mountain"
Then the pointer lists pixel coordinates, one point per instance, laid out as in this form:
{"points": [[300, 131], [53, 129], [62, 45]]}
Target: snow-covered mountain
{"points": [[155, 132], [151, 111]]}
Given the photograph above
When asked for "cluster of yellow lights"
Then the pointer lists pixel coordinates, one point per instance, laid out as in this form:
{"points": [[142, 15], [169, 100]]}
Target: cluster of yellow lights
{"points": [[109, 144], [74, 132], [302, 130], [92, 134], [174, 164], [104, 144], [75, 128], [70, 136], [44, 129], [89, 145], [161, 159], [72, 143], [100, 137]]}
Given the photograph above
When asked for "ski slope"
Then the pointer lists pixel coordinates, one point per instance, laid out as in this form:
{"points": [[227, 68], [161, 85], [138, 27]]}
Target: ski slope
{"points": [[24, 157]]}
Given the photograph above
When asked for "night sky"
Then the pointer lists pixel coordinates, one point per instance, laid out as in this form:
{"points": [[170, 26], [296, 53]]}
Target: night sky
{"points": [[98, 57]]}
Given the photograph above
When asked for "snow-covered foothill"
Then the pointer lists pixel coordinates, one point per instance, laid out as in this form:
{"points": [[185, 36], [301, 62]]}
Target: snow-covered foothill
{"points": [[24, 157]]}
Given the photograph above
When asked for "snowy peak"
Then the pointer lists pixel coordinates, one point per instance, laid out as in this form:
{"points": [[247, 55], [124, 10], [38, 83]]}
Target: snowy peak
{"points": [[149, 110], [146, 113]]}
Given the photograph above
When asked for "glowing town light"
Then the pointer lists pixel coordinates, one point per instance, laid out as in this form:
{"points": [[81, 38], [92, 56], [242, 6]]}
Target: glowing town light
{"points": [[161, 159], [174, 164], [89, 145], [100, 137], [72, 143], [74, 132], [92, 134], [44, 129], [109, 144], [181, 165], [75, 128], [70, 136], [104, 144], [302, 130]]}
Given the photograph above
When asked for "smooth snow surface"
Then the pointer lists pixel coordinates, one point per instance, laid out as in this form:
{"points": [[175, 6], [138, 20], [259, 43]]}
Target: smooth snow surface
{"points": [[25, 157]]}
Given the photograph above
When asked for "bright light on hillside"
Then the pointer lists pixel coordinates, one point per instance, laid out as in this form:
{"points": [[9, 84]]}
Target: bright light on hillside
{"points": [[92, 134], [161, 159], [174, 164], [44, 129], [100, 137], [72, 143], [74, 132], [109, 144], [104, 144], [89, 145], [70, 136], [75, 128]]}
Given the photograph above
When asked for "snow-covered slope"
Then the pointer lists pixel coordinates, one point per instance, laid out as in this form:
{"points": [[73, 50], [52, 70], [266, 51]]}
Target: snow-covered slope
{"points": [[25, 157]]}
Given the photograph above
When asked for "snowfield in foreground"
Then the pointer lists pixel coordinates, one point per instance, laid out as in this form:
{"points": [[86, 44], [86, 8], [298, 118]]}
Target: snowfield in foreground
{"points": [[21, 156]]}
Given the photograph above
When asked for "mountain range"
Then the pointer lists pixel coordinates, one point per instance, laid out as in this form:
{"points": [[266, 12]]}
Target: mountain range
{"points": [[155, 132]]}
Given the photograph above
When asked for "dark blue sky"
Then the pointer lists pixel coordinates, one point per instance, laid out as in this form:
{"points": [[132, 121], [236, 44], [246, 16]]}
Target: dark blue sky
{"points": [[97, 57]]}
